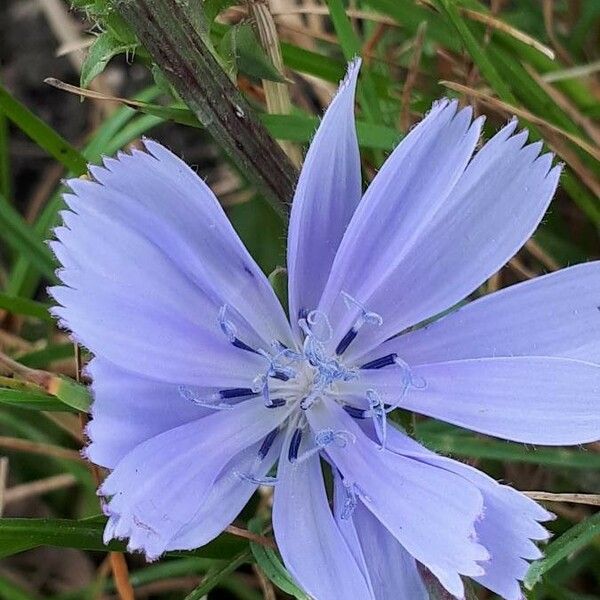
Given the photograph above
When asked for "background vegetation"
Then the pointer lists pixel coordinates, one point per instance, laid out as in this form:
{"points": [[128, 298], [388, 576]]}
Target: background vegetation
{"points": [[536, 59]]}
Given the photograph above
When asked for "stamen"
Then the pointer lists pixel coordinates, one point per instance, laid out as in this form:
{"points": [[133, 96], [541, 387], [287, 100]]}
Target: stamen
{"points": [[275, 403], [230, 331], [325, 438], [212, 401], [346, 341], [350, 500], [353, 411], [294, 445], [379, 363], [267, 443], [236, 393], [371, 318], [256, 480], [379, 416]]}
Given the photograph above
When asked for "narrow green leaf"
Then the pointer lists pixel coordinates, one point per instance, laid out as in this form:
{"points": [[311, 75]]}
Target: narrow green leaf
{"points": [[352, 47], [5, 176], [43, 135], [42, 358], [573, 540], [23, 240], [17, 535], [473, 447], [23, 306], [9, 590], [216, 574], [273, 568], [105, 47], [242, 51], [70, 392], [477, 53], [30, 400], [279, 282]]}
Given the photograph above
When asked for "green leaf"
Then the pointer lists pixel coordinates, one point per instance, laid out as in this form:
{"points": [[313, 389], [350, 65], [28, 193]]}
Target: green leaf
{"points": [[273, 568], [279, 282], [17, 535], [31, 400], [11, 591], [70, 392], [464, 444], [23, 240], [43, 135], [23, 306], [242, 51], [573, 540], [105, 47], [352, 47], [475, 50], [43, 357], [217, 574]]}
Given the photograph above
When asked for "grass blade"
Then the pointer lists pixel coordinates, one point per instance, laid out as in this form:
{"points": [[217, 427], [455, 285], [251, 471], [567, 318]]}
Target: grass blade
{"points": [[41, 133]]}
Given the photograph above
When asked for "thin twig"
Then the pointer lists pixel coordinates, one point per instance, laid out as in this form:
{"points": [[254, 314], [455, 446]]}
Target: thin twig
{"points": [[22, 445], [524, 114], [3, 482], [588, 499], [39, 487], [253, 537], [180, 47], [538, 252]]}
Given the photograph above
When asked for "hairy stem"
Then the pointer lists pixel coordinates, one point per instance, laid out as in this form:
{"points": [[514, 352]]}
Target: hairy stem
{"points": [[180, 47]]}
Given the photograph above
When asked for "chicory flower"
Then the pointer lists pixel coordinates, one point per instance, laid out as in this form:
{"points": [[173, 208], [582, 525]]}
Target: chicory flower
{"points": [[204, 389]]}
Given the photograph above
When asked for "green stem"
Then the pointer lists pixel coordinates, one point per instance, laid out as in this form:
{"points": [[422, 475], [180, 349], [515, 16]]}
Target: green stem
{"points": [[181, 49]]}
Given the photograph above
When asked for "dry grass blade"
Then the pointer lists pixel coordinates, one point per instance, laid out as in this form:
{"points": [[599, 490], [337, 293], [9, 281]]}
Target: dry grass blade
{"points": [[21, 445], [253, 537], [500, 25], [573, 72], [39, 487], [277, 95], [524, 114], [588, 499]]}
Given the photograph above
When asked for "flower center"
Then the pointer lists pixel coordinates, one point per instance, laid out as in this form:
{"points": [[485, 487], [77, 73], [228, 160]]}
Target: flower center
{"points": [[297, 378]]}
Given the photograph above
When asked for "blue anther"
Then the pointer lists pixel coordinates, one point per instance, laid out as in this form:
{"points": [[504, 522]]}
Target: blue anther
{"points": [[379, 363], [281, 375], [236, 393], [267, 443], [243, 346], [353, 411], [230, 331], [275, 403], [346, 341], [294, 445]]}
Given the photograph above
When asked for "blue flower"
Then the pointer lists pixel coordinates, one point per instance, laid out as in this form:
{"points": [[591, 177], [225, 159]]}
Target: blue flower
{"points": [[205, 390]]}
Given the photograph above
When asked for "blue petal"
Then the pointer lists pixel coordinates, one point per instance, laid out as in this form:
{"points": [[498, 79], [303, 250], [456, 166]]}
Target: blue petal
{"points": [[391, 570], [328, 192], [430, 511], [308, 537], [157, 489], [552, 315], [227, 497], [148, 248], [538, 400], [427, 233], [509, 522], [128, 410]]}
